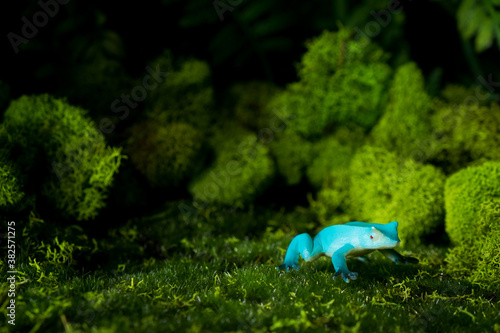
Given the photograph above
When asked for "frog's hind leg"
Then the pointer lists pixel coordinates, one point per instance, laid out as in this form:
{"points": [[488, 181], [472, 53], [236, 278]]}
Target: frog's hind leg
{"points": [[303, 245], [398, 258]]}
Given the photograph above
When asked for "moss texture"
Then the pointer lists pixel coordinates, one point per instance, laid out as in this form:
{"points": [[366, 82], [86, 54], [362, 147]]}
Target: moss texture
{"points": [[467, 134], [385, 188], [216, 278], [329, 173], [60, 145], [292, 154], [241, 170], [477, 257], [184, 94], [465, 192], [341, 81], [10, 189], [165, 153], [405, 125]]}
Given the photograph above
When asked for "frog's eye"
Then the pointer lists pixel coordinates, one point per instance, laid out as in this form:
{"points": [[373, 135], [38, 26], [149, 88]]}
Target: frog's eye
{"points": [[375, 236]]}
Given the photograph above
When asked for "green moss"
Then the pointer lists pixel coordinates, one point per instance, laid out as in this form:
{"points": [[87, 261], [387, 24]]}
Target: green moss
{"points": [[241, 170], [166, 153], [330, 157], [184, 95], [477, 256], [405, 124], [331, 51], [341, 81], [356, 94], [61, 150], [292, 154], [466, 135], [10, 189], [385, 188], [454, 94], [465, 192], [218, 279]]}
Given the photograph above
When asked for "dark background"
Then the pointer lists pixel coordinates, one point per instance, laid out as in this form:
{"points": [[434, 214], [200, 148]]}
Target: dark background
{"points": [[257, 40]]}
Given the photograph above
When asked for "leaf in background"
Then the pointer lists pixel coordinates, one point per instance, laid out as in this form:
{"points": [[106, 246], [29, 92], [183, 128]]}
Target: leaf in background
{"points": [[484, 37], [480, 18], [469, 18]]}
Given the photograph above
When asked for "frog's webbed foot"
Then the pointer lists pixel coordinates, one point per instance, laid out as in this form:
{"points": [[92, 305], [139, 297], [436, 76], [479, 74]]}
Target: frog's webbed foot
{"points": [[288, 267], [346, 275]]}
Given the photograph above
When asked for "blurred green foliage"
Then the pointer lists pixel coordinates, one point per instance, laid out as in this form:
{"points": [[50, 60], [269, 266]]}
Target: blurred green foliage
{"points": [[480, 18], [62, 151]]}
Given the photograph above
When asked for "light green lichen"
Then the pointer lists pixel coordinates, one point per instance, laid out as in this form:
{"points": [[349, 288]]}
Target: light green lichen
{"points": [[465, 135], [242, 169], [184, 94], [342, 81], [63, 152], [465, 193], [405, 126], [385, 188]]}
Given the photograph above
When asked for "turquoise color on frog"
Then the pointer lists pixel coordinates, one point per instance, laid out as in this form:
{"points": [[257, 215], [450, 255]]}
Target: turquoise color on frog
{"points": [[353, 239]]}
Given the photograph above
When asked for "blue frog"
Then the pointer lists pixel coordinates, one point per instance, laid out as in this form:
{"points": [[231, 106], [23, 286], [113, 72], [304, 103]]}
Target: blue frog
{"points": [[353, 239]]}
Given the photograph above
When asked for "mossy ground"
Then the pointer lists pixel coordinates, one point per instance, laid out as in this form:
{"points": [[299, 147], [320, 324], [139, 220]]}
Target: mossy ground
{"points": [[222, 278]]}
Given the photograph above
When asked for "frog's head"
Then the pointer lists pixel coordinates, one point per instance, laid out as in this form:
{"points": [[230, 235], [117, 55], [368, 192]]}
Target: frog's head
{"points": [[384, 236]]}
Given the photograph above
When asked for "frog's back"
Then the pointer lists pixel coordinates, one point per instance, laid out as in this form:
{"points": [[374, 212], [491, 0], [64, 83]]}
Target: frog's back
{"points": [[336, 236]]}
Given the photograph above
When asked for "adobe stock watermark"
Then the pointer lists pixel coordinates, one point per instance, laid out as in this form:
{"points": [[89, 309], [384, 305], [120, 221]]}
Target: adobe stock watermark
{"points": [[223, 6], [138, 94], [29, 29]]}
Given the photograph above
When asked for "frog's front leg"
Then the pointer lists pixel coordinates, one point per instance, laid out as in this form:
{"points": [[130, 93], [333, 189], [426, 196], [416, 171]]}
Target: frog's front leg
{"points": [[339, 263], [398, 258], [303, 245]]}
